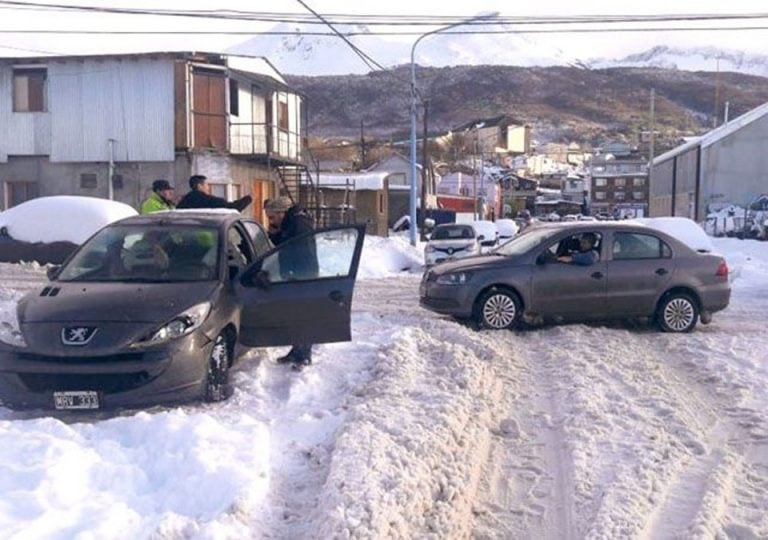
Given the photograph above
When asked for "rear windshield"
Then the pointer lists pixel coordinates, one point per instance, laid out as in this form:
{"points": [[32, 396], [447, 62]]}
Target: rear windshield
{"points": [[146, 253], [454, 232]]}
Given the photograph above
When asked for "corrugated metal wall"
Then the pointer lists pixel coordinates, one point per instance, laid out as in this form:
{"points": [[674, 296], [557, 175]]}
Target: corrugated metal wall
{"points": [[130, 101]]}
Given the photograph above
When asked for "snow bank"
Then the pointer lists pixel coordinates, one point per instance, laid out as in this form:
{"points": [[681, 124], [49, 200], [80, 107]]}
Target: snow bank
{"points": [[386, 257], [61, 218]]}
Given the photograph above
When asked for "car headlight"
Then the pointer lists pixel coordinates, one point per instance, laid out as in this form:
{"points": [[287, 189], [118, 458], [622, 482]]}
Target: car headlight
{"points": [[458, 278], [429, 249], [10, 331], [181, 325]]}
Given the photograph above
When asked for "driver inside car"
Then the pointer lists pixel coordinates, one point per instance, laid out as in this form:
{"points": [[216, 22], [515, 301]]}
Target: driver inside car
{"points": [[586, 255]]}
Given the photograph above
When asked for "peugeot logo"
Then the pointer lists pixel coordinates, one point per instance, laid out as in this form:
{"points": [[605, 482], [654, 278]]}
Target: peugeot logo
{"points": [[77, 335]]}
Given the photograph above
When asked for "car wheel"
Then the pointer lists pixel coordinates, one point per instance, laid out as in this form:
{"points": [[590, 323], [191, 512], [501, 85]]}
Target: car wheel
{"points": [[217, 381], [498, 309], [678, 313]]}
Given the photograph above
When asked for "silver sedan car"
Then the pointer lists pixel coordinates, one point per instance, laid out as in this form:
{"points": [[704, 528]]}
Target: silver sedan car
{"points": [[636, 272]]}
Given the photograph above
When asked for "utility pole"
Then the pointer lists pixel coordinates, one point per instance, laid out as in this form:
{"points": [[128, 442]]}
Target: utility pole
{"points": [[653, 136], [717, 95], [362, 146], [424, 174], [111, 179]]}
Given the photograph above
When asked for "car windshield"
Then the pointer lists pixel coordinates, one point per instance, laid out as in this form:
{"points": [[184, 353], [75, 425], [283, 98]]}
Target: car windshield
{"points": [[525, 242], [454, 232], [146, 253]]}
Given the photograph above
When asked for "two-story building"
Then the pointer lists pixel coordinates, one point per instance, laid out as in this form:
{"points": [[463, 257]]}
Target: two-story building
{"points": [[107, 126]]}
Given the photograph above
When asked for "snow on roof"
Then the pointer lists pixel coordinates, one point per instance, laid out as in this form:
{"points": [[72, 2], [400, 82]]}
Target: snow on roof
{"points": [[62, 218], [356, 181], [684, 229], [716, 134]]}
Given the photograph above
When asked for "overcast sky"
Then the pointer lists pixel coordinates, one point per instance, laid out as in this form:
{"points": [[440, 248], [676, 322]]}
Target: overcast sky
{"points": [[582, 45]]}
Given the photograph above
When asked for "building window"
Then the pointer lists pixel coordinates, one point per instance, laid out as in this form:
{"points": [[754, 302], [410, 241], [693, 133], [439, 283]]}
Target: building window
{"points": [[282, 116], [601, 182], [638, 182], [218, 190], [600, 195], [619, 182], [88, 181], [237, 191], [638, 195], [29, 89], [234, 98], [619, 195], [18, 192], [381, 203]]}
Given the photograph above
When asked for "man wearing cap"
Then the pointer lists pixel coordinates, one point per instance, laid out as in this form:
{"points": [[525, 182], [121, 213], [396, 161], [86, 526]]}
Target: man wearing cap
{"points": [[160, 199], [297, 261], [199, 196]]}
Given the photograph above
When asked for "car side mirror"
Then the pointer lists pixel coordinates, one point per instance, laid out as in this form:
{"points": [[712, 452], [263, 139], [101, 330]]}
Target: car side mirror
{"points": [[481, 238], [53, 271]]}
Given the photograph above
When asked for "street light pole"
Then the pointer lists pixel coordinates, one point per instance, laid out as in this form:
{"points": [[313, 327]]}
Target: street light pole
{"points": [[413, 179]]}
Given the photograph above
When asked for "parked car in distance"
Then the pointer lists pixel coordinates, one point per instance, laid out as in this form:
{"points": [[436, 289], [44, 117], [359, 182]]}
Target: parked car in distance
{"points": [[489, 233], [640, 272], [156, 309], [508, 229], [451, 241]]}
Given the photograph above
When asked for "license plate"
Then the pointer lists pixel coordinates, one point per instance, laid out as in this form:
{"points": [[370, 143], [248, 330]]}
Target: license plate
{"points": [[84, 399]]}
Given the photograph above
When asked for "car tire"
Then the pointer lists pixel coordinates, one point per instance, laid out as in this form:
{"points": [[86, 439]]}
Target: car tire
{"points": [[217, 386], [678, 312], [498, 309]]}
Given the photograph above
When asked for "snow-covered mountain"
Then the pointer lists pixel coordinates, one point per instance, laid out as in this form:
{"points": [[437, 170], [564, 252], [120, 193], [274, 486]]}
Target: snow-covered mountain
{"points": [[300, 53], [690, 59]]}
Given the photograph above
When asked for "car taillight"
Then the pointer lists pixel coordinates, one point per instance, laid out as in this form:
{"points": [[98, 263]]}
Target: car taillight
{"points": [[722, 270]]}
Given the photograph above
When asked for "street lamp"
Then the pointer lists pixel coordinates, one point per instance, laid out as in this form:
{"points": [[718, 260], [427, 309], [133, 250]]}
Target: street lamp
{"points": [[412, 198]]}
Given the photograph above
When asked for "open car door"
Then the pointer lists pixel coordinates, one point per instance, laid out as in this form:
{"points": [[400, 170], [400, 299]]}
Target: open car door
{"points": [[301, 291]]}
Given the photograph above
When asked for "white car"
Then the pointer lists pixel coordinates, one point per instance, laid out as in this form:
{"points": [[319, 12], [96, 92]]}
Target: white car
{"points": [[508, 229], [488, 234], [451, 241]]}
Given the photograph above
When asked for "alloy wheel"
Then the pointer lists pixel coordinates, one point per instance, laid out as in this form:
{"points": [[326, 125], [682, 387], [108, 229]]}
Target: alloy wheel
{"points": [[499, 311], [679, 314]]}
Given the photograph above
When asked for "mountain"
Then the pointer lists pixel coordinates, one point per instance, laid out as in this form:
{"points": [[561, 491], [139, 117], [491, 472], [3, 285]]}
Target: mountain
{"points": [[294, 50], [561, 103]]}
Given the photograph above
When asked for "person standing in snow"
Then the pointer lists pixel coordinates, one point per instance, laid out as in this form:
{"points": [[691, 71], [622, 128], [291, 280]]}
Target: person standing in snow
{"points": [[299, 261], [160, 199], [199, 197]]}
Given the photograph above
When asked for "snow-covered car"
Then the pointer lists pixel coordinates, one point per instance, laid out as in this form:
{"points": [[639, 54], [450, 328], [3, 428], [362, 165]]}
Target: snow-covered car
{"points": [[37, 230], [451, 241], [508, 229], [637, 272], [156, 309], [489, 233]]}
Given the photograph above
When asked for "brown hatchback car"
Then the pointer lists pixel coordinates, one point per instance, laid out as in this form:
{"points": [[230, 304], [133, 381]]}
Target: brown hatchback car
{"points": [[637, 271]]}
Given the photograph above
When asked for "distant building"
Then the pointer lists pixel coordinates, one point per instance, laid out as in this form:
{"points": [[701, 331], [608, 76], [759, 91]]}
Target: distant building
{"points": [[619, 186], [728, 165]]}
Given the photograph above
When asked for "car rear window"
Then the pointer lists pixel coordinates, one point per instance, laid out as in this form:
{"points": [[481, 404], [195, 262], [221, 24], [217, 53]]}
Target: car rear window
{"points": [[453, 233], [639, 246]]}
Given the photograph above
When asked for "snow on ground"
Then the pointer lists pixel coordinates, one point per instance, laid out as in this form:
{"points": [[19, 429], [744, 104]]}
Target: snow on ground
{"points": [[422, 427]]}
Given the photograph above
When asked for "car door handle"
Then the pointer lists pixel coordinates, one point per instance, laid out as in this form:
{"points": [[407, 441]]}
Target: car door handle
{"points": [[661, 271], [336, 296], [596, 275]]}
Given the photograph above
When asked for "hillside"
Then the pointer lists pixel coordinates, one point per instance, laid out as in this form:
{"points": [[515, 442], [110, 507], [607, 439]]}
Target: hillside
{"points": [[561, 103]]}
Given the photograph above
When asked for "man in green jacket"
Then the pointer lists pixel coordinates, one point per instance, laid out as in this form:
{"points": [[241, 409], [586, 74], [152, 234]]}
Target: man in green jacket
{"points": [[160, 199]]}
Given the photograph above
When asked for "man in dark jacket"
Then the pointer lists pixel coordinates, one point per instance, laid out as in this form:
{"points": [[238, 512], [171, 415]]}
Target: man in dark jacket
{"points": [[199, 196], [298, 260]]}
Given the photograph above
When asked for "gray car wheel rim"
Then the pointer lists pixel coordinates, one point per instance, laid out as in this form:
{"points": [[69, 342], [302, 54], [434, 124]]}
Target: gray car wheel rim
{"points": [[499, 311], [678, 314]]}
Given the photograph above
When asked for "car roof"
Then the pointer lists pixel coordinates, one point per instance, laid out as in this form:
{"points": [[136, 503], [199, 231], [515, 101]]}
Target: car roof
{"points": [[200, 217]]}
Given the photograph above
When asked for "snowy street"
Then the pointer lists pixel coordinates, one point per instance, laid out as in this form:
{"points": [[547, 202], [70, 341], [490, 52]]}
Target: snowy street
{"points": [[423, 427]]}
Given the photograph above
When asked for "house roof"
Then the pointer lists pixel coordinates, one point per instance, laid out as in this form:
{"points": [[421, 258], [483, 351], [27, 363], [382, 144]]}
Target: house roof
{"points": [[259, 65], [716, 134], [489, 122], [353, 181]]}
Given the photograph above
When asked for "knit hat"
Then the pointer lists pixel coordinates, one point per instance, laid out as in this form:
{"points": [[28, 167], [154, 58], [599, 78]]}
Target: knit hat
{"points": [[160, 185], [280, 204]]}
